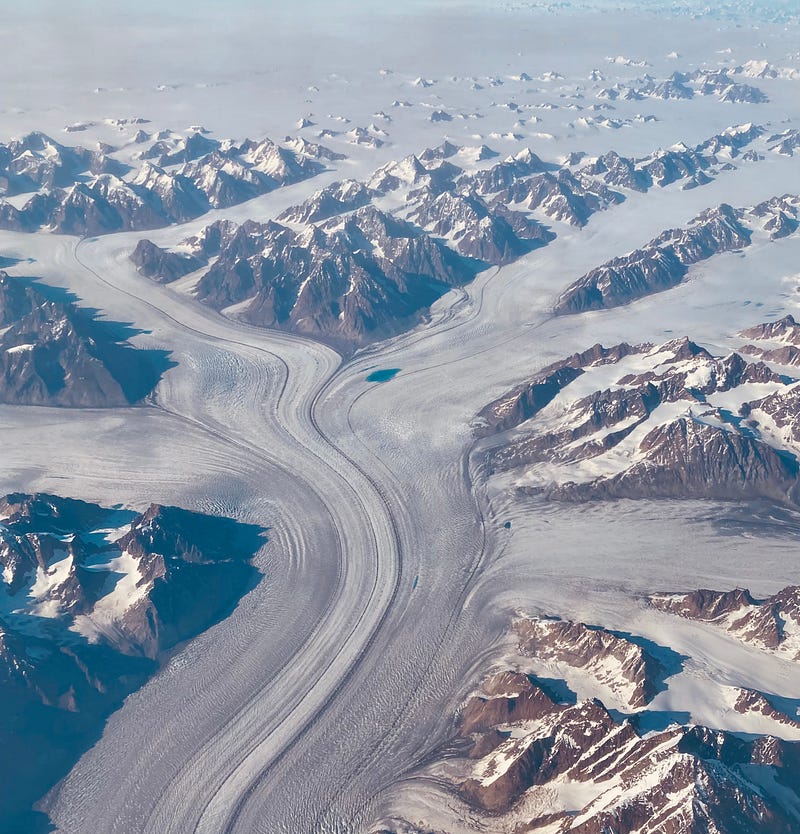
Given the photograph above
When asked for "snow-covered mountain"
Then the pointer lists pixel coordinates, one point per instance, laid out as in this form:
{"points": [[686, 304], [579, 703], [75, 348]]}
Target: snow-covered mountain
{"points": [[530, 755], [614, 661], [665, 261], [356, 278], [771, 624], [178, 178], [54, 353], [670, 420], [775, 341], [683, 86], [575, 768], [337, 198], [90, 600], [339, 269]]}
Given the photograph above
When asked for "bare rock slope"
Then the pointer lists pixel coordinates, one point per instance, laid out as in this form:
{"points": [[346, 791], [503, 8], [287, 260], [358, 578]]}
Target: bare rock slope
{"points": [[529, 755], [671, 420], [90, 601], [83, 192], [55, 353], [360, 261], [615, 661], [771, 624], [684, 780], [664, 262]]}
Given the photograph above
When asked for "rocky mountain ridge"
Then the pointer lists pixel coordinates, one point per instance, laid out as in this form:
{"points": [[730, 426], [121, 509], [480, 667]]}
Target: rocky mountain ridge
{"points": [[491, 216], [529, 757], [718, 83], [90, 600], [684, 779], [777, 342], [85, 193], [351, 280], [664, 262], [649, 421], [771, 624], [625, 667], [55, 353]]}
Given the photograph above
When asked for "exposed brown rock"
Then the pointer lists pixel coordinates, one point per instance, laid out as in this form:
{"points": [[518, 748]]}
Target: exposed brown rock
{"points": [[664, 261], [54, 353], [526, 400], [505, 698], [749, 702], [655, 430], [772, 624], [72, 646], [617, 662], [784, 330]]}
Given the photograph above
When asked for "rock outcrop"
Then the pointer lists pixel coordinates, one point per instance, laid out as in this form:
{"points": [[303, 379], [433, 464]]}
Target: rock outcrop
{"points": [[615, 661], [91, 600], [684, 780], [661, 264], [162, 265], [531, 756], [85, 193], [54, 353], [357, 278], [337, 198], [775, 341], [494, 235], [771, 624], [664, 421]]}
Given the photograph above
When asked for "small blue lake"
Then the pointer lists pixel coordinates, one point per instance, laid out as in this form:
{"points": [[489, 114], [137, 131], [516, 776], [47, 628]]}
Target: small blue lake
{"points": [[383, 375]]}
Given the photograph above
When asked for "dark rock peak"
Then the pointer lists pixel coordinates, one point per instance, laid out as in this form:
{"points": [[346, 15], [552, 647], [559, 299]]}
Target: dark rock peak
{"points": [[54, 353], [565, 196], [76, 640], [689, 459], [616, 661], [411, 171], [661, 264], [213, 174], [493, 234], [51, 513], [161, 265], [686, 779], [526, 400], [704, 604], [334, 199], [618, 171], [194, 146], [787, 355], [722, 374], [772, 624], [657, 428], [346, 280], [503, 174], [752, 702], [312, 150], [440, 152], [504, 698], [599, 355]]}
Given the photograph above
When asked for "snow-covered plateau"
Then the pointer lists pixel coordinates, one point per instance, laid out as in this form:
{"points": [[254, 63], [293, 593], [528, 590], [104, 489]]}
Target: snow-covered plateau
{"points": [[478, 321]]}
